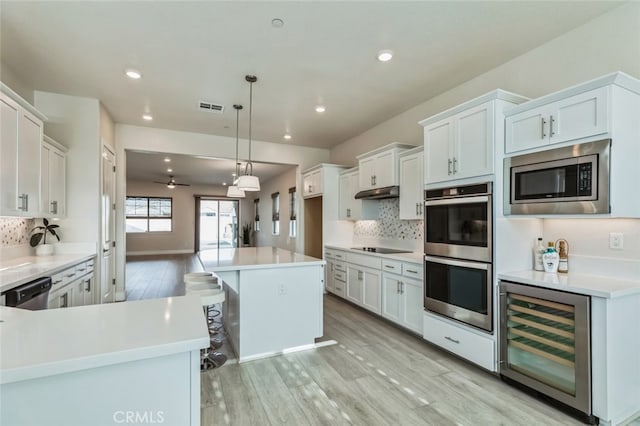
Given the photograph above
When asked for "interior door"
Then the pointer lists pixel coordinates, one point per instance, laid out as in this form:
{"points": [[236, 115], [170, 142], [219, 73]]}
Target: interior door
{"points": [[107, 270]]}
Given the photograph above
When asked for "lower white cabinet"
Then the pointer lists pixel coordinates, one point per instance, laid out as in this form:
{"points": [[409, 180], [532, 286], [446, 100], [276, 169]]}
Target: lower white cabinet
{"points": [[403, 294], [363, 287], [329, 281], [72, 286], [463, 342]]}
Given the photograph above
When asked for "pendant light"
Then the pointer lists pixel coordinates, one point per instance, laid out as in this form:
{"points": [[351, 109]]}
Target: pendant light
{"points": [[248, 182], [232, 190]]}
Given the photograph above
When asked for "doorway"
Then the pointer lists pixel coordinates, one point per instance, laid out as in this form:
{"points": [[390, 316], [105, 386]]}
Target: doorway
{"points": [[216, 223]]}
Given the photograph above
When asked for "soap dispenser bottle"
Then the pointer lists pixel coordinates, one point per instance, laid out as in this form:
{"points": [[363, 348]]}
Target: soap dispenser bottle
{"points": [[538, 251], [550, 258]]}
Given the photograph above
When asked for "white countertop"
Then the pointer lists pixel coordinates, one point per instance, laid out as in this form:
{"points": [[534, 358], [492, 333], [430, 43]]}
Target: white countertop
{"points": [[233, 259], [14, 272], [56, 341], [591, 285], [412, 257]]}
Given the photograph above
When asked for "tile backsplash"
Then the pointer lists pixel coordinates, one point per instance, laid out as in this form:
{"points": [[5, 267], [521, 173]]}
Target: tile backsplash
{"points": [[388, 226], [14, 232]]}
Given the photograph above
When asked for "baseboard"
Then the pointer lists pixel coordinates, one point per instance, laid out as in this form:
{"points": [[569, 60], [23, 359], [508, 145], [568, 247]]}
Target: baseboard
{"points": [[152, 252]]}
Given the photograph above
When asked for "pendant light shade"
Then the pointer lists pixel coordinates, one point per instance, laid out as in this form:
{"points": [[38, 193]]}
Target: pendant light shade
{"points": [[232, 190], [248, 182]]}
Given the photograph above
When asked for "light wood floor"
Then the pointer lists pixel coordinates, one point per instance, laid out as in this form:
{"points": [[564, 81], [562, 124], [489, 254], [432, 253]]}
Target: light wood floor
{"points": [[375, 375]]}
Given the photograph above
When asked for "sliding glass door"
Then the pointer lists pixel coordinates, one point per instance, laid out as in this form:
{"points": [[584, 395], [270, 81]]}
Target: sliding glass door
{"points": [[216, 223]]}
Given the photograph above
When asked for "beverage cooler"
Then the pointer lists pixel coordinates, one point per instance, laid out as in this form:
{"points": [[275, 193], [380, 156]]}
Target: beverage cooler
{"points": [[545, 343]]}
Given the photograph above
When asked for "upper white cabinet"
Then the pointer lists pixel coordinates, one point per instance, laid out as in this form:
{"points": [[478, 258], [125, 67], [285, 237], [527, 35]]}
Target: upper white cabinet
{"points": [[20, 146], [350, 208], [379, 168], [312, 183], [459, 143], [578, 116], [411, 186], [53, 181]]}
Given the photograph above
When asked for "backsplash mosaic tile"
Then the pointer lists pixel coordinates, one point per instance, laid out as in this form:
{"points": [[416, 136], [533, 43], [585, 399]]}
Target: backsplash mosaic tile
{"points": [[388, 226], [15, 231]]}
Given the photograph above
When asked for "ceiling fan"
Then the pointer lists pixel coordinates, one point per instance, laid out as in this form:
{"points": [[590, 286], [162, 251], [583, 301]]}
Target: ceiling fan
{"points": [[172, 183]]}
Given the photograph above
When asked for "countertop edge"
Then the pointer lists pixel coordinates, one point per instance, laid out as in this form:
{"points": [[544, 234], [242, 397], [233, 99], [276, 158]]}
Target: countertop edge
{"points": [[392, 256]]}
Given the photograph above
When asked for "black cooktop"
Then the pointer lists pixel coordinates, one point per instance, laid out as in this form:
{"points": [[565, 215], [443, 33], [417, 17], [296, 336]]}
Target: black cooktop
{"points": [[381, 250]]}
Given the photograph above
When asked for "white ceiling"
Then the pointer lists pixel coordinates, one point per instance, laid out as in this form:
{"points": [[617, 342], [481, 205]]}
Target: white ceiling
{"points": [[151, 167], [189, 51]]}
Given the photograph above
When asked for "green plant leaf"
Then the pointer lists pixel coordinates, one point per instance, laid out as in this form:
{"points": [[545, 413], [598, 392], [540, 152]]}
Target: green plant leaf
{"points": [[50, 227], [37, 228], [45, 221], [35, 239]]}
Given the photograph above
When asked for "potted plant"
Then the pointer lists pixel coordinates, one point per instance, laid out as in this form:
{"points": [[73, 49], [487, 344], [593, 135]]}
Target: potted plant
{"points": [[246, 235], [44, 249]]}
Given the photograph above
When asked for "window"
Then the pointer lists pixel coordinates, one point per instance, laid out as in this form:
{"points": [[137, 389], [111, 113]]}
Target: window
{"points": [[256, 215], [275, 213], [148, 214], [292, 212]]}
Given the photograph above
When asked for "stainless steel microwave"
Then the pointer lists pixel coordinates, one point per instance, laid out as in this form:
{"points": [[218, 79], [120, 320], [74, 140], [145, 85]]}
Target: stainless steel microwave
{"points": [[568, 180]]}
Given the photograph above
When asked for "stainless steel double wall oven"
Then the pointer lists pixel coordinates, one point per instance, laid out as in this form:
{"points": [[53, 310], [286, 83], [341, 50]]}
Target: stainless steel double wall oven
{"points": [[458, 251]]}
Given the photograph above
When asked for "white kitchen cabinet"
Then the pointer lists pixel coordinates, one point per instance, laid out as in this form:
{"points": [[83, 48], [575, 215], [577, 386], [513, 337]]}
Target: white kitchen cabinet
{"points": [[379, 168], [459, 143], [575, 117], [73, 286], [20, 152], [329, 271], [411, 184], [53, 180], [312, 183], [462, 341], [350, 207], [402, 295], [363, 287]]}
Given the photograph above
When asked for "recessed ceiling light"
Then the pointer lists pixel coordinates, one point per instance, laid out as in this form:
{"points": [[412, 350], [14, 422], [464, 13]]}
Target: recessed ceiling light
{"points": [[169, 170], [147, 117], [320, 108], [277, 23], [133, 74], [287, 136], [167, 160], [385, 55]]}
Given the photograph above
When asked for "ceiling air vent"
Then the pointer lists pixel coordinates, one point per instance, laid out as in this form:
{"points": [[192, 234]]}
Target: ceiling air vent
{"points": [[210, 107]]}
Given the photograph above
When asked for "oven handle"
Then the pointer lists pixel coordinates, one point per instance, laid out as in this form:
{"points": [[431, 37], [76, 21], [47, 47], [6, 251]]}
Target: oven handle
{"points": [[463, 264], [463, 200]]}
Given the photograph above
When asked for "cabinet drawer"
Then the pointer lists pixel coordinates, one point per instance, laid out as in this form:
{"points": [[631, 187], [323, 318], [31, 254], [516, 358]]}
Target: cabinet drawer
{"points": [[69, 275], [81, 269], [340, 266], [467, 344], [329, 254], [340, 287], [339, 275], [56, 280], [364, 260], [412, 270], [340, 255], [392, 266]]}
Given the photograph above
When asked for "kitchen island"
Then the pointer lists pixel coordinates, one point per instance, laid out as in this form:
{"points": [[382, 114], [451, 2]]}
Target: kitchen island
{"points": [[102, 364], [273, 299]]}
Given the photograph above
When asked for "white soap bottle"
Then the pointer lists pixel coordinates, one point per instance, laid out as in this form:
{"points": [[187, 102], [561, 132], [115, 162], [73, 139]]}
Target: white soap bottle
{"points": [[550, 259], [538, 250]]}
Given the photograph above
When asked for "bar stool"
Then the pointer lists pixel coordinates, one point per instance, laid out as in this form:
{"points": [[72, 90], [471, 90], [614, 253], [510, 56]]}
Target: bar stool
{"points": [[208, 297], [203, 282]]}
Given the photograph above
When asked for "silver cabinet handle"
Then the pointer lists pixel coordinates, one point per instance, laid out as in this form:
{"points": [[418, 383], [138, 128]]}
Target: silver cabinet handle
{"points": [[389, 266], [64, 300], [417, 208], [455, 161], [449, 166], [24, 202], [543, 122], [452, 340], [411, 271], [401, 287], [551, 132], [87, 287], [54, 207], [70, 275], [421, 209]]}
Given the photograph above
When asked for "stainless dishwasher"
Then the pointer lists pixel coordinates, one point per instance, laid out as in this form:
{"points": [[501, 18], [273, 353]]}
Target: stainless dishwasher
{"points": [[545, 344], [32, 295]]}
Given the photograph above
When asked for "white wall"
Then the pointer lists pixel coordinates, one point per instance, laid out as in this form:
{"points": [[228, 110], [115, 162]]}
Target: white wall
{"points": [[182, 237], [11, 79], [265, 237], [606, 44]]}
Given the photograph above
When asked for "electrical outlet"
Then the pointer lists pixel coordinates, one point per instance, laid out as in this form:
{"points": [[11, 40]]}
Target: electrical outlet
{"points": [[616, 240], [282, 289]]}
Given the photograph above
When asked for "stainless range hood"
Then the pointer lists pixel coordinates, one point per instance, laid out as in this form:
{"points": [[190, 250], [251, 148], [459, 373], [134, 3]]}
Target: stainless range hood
{"points": [[379, 193]]}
